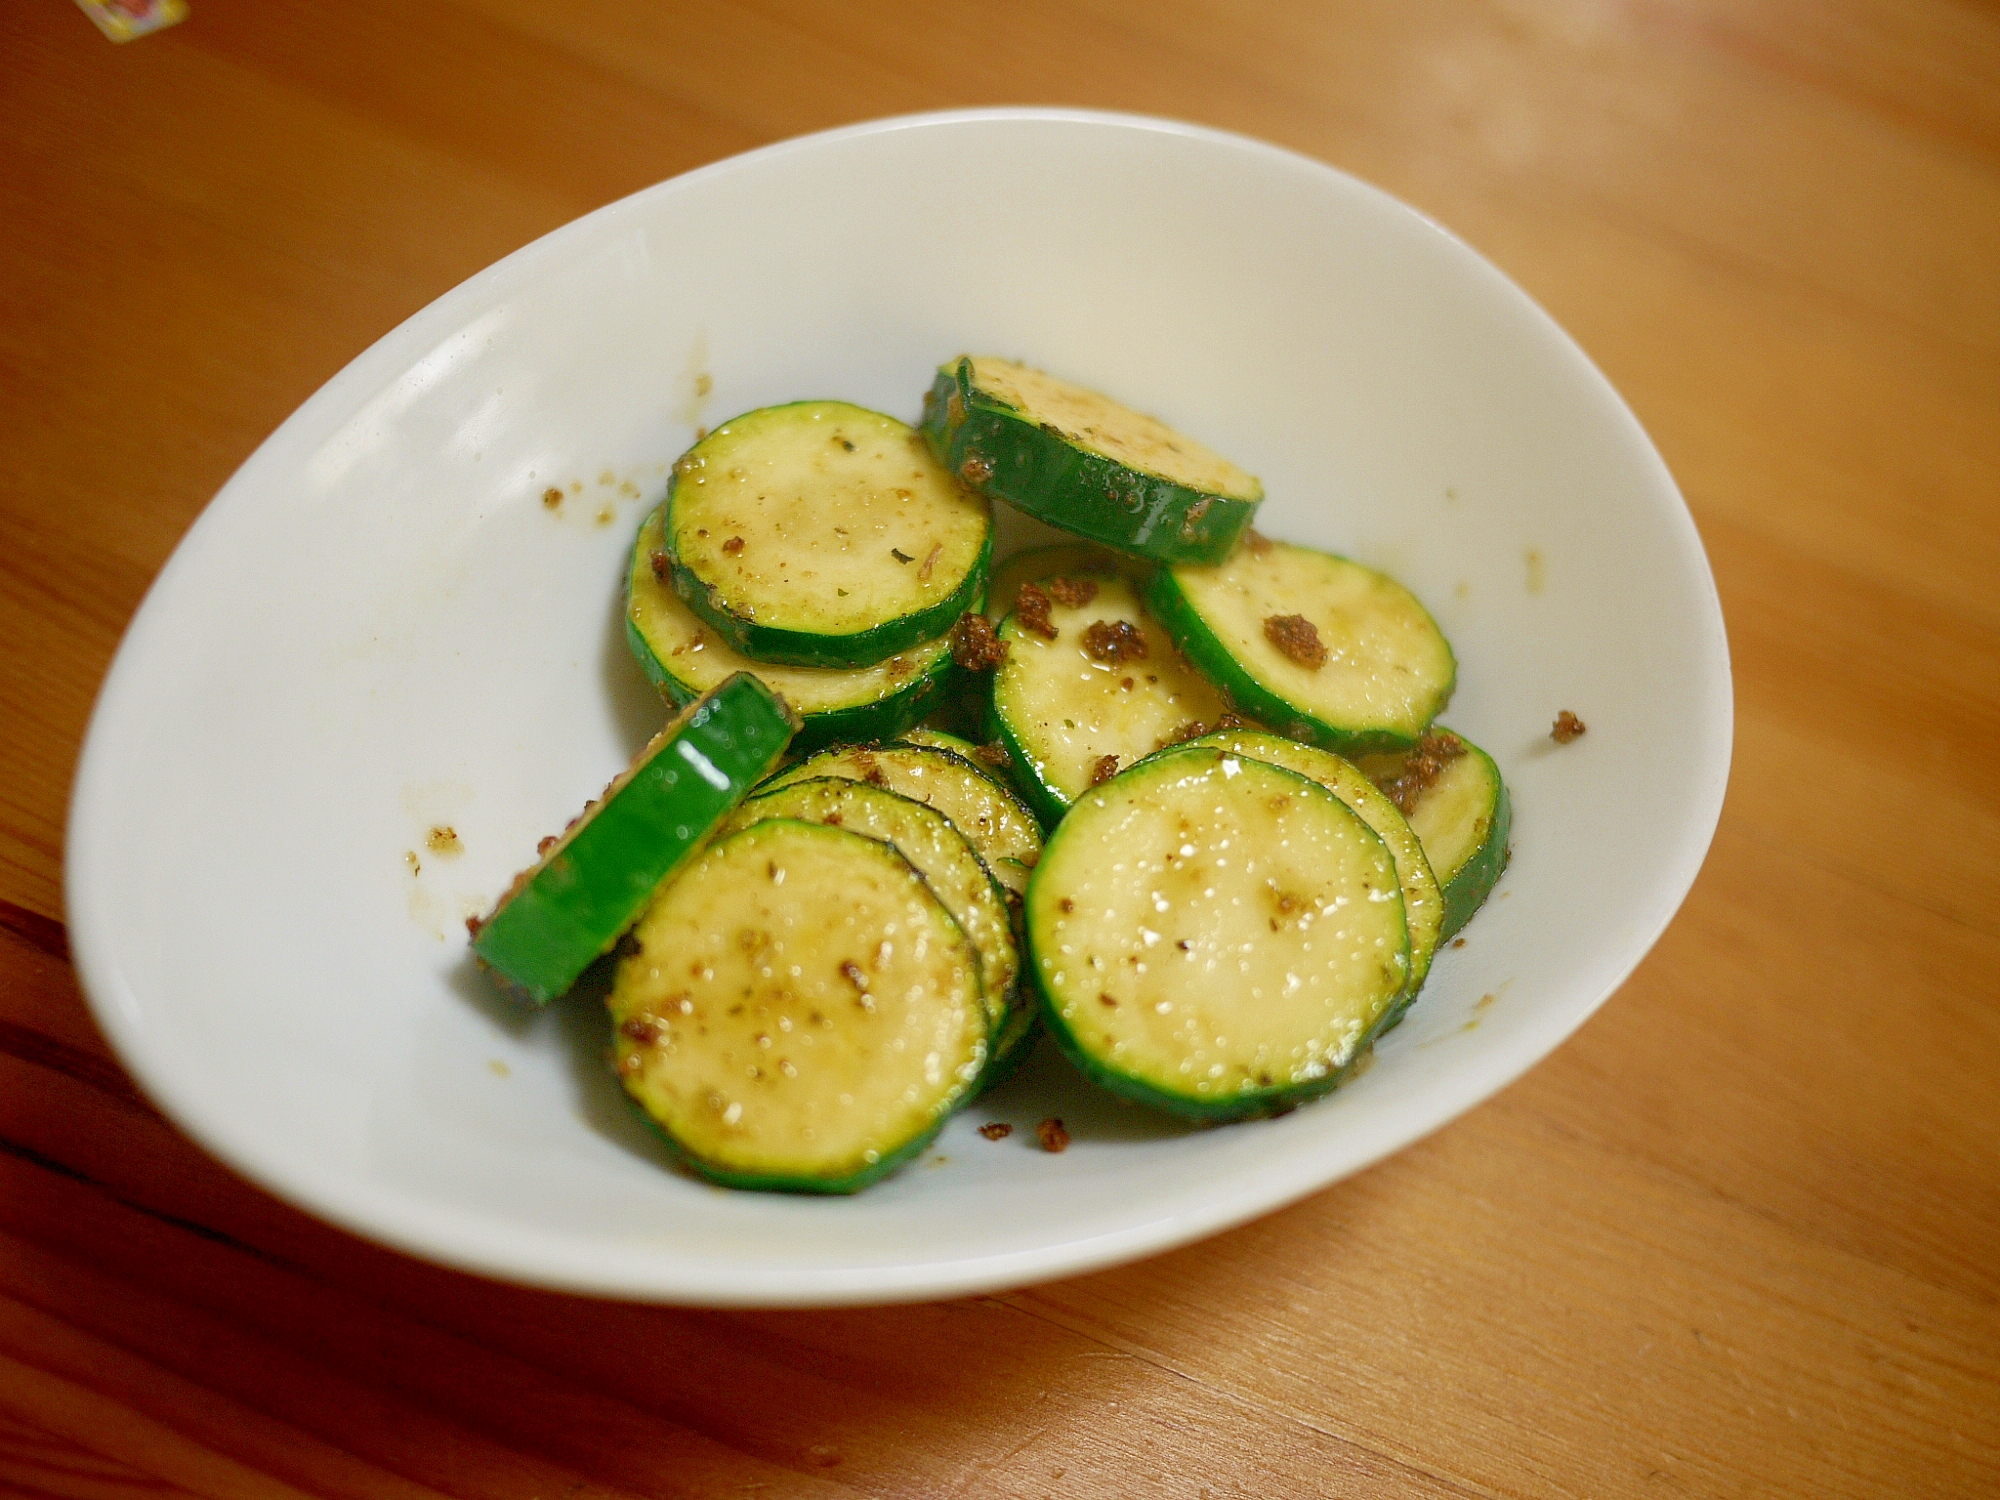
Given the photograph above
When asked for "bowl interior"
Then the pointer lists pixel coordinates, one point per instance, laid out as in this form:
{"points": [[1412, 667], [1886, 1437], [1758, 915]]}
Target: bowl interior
{"points": [[381, 627]]}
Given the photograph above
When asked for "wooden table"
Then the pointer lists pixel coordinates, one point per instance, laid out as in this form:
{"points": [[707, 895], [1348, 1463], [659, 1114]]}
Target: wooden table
{"points": [[1741, 1236]]}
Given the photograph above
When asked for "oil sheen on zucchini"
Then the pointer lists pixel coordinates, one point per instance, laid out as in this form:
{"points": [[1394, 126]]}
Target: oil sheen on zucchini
{"points": [[940, 853], [1455, 801], [821, 534], [1313, 645], [1423, 902], [1067, 715], [801, 1013], [570, 906], [685, 657], [1083, 463], [1215, 935]]}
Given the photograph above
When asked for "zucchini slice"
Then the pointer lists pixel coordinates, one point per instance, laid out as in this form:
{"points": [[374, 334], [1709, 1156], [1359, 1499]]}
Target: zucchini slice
{"points": [[1215, 935], [1317, 647], [684, 657], [1082, 462], [940, 853], [800, 1013], [823, 535], [994, 822], [1452, 794], [571, 905], [1423, 901], [1073, 709]]}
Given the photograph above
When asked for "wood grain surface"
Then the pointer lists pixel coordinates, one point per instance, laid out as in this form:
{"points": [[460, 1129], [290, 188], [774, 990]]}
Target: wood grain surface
{"points": [[1741, 1236]]}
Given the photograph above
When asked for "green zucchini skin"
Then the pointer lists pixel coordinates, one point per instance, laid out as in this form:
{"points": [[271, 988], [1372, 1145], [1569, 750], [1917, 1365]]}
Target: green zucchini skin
{"points": [[1055, 965], [1296, 713], [834, 705], [834, 1097], [1000, 451], [1465, 822], [746, 609], [571, 905]]}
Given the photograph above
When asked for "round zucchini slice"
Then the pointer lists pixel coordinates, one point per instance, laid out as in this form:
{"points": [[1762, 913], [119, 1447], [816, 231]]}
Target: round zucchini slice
{"points": [[1107, 688], [1317, 647], [1215, 935], [1452, 794], [1081, 462], [940, 853], [823, 535], [994, 822], [685, 657], [1423, 901], [801, 1013], [571, 905]]}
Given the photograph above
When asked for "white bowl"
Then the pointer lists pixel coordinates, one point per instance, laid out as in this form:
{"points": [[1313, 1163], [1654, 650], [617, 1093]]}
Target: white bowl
{"points": [[378, 626]]}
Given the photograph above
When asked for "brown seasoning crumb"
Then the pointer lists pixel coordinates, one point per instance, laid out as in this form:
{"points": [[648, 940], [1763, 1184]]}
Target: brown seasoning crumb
{"points": [[1031, 609], [1105, 767], [1113, 641], [994, 754], [552, 497], [1297, 639], [643, 1030], [1421, 768], [996, 1130], [1072, 593], [733, 546], [975, 644], [1052, 1135], [1567, 727]]}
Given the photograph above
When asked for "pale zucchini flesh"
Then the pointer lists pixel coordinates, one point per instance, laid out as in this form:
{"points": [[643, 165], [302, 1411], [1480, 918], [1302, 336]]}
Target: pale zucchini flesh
{"points": [[800, 1013], [685, 656], [824, 535], [1216, 935], [1059, 711], [1386, 670], [1423, 900], [938, 851]]}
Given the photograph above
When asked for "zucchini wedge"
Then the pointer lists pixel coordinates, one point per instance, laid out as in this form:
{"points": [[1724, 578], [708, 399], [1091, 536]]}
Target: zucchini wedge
{"points": [[1317, 647], [1452, 794], [821, 534], [1423, 901], [801, 1013], [684, 657], [1216, 936], [1106, 689], [938, 851], [570, 906], [1081, 462]]}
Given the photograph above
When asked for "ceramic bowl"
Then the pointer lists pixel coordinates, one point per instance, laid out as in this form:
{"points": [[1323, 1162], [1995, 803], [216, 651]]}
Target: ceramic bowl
{"points": [[380, 627]]}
